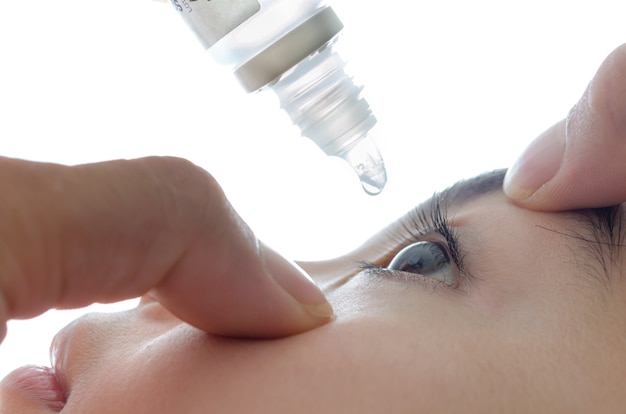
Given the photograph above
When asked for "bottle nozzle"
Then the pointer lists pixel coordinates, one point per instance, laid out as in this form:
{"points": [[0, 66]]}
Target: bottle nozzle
{"points": [[326, 104], [365, 159]]}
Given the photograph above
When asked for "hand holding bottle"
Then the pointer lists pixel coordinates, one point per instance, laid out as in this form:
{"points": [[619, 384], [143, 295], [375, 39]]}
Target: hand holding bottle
{"points": [[581, 161]]}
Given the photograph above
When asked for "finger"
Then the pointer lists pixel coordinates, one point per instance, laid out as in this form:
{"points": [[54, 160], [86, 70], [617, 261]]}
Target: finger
{"points": [[71, 236], [580, 162]]}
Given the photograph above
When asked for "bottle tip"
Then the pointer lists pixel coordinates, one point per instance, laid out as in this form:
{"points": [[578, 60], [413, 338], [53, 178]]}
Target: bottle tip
{"points": [[373, 184], [366, 160]]}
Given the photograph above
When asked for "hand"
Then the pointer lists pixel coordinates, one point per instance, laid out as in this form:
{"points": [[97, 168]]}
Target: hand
{"points": [[581, 161], [71, 236]]}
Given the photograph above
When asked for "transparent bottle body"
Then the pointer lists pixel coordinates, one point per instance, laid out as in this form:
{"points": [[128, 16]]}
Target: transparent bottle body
{"points": [[275, 19]]}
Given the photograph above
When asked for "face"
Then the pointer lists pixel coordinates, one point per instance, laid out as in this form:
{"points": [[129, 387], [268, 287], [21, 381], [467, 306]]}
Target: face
{"points": [[468, 303]]}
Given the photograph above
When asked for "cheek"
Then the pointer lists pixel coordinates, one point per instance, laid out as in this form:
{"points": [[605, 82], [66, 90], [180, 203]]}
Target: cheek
{"points": [[427, 348], [451, 350], [393, 347], [99, 349], [391, 364], [140, 373]]}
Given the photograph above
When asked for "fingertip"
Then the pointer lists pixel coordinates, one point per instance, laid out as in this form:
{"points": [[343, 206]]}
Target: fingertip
{"points": [[537, 165], [513, 184], [243, 289], [295, 282], [315, 309]]}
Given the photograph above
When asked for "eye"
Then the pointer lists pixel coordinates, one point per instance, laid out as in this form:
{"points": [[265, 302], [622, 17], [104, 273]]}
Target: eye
{"points": [[426, 259]]}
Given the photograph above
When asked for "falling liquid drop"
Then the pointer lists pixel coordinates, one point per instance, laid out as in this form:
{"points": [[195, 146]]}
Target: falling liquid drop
{"points": [[371, 189], [373, 180], [366, 161]]}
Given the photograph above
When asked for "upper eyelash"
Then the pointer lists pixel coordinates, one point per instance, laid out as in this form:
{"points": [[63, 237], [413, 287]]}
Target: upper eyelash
{"points": [[420, 223], [435, 219]]}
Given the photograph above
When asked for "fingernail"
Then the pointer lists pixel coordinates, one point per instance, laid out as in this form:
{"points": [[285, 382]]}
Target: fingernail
{"points": [[297, 283], [537, 164]]}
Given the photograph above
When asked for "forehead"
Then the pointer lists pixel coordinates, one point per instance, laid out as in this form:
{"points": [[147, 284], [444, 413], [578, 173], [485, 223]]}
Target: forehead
{"points": [[470, 189]]}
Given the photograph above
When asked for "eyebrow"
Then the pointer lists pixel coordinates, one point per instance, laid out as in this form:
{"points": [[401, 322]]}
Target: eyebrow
{"points": [[469, 189], [601, 239]]}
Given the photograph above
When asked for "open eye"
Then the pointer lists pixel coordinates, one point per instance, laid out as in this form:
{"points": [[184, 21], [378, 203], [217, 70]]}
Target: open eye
{"points": [[425, 259]]}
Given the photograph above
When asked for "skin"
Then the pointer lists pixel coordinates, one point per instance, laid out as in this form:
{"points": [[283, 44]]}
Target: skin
{"points": [[533, 330]]}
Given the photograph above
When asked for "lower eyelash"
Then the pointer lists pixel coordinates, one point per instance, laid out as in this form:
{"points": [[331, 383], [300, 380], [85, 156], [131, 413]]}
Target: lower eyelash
{"points": [[426, 282]]}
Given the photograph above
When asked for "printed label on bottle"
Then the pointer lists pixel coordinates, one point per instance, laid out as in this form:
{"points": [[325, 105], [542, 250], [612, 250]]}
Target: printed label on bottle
{"points": [[213, 19]]}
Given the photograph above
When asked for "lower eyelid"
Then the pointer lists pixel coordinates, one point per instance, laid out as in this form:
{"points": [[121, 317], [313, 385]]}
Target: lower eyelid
{"points": [[405, 277]]}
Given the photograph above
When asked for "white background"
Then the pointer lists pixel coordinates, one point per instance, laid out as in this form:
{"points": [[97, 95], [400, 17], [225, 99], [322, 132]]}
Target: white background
{"points": [[459, 87]]}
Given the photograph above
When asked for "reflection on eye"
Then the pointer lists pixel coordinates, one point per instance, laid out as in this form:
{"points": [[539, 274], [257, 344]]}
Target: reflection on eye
{"points": [[425, 259]]}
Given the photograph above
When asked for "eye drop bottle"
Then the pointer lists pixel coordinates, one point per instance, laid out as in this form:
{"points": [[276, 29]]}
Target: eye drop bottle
{"points": [[287, 46]]}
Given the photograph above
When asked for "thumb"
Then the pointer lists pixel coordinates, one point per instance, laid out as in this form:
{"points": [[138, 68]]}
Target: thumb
{"points": [[109, 231], [581, 161]]}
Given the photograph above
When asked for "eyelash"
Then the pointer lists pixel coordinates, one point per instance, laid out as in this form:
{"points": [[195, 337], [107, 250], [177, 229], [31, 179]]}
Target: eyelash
{"points": [[419, 225]]}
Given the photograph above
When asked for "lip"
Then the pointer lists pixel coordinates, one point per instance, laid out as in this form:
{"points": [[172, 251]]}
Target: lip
{"points": [[58, 356], [37, 383], [43, 385]]}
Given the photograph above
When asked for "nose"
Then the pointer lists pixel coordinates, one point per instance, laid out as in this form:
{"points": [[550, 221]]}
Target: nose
{"points": [[149, 307], [329, 274], [146, 299]]}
